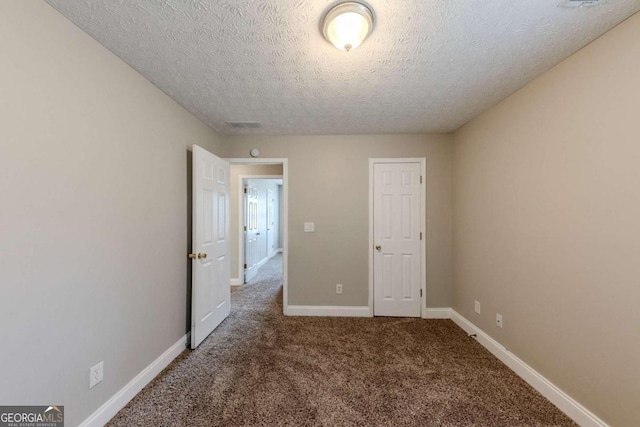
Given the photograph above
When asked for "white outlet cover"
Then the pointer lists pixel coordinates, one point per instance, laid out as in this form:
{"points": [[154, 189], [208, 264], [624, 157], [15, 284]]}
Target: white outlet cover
{"points": [[338, 288], [499, 320], [96, 374], [309, 227], [477, 307]]}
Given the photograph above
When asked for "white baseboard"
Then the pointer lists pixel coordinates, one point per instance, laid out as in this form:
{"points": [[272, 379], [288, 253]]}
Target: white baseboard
{"points": [[118, 401], [329, 311], [239, 282], [274, 253], [437, 313], [263, 262], [566, 403]]}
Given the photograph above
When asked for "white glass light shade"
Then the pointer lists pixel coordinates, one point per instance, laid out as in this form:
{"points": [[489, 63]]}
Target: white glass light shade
{"points": [[347, 25]]}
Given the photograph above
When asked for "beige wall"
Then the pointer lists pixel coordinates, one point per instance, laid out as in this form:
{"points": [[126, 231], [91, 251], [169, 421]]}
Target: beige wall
{"points": [[93, 223], [547, 224], [329, 185], [235, 223], [94, 219]]}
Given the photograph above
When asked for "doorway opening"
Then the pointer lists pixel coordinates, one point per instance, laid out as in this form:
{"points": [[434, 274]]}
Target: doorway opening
{"points": [[259, 220]]}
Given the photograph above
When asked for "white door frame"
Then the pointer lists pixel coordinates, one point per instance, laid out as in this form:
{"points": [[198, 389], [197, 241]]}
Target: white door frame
{"points": [[285, 215], [241, 208], [423, 227]]}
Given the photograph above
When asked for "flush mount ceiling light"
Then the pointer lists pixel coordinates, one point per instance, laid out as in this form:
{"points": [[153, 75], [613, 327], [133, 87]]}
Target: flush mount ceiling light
{"points": [[347, 25]]}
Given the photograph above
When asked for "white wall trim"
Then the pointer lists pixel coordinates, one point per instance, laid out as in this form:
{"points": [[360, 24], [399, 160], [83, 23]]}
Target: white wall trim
{"points": [[566, 403], [263, 262], [423, 225], [562, 400], [437, 313], [128, 392], [235, 282], [274, 253], [328, 311], [285, 216]]}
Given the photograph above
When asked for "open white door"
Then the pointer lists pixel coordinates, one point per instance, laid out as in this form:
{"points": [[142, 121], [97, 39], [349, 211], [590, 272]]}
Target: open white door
{"points": [[251, 232], [211, 293], [271, 201]]}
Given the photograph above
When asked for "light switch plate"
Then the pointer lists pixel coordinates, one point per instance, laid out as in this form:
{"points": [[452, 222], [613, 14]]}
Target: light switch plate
{"points": [[309, 227]]}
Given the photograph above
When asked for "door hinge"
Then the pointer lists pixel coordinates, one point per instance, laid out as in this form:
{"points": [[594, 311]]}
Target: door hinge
{"points": [[420, 234], [245, 189], [420, 179], [245, 266], [420, 293], [245, 228]]}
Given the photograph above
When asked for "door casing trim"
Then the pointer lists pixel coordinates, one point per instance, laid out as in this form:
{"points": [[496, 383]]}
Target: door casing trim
{"points": [[423, 227]]}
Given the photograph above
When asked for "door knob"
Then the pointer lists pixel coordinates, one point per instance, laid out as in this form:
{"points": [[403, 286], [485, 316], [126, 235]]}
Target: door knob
{"points": [[202, 255], [192, 256], [378, 248]]}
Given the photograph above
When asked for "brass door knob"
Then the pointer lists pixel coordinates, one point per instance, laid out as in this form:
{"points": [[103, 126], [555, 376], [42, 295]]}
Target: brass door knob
{"points": [[202, 255], [192, 256], [378, 248]]}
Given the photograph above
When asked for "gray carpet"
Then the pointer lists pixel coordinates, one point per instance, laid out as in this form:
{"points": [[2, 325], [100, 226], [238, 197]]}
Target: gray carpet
{"points": [[261, 368]]}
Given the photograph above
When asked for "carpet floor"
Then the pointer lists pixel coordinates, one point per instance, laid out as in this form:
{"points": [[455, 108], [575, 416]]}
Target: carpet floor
{"points": [[260, 368]]}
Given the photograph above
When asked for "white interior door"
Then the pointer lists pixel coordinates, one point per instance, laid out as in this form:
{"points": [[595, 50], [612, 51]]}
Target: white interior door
{"points": [[271, 247], [396, 235], [252, 232], [211, 293]]}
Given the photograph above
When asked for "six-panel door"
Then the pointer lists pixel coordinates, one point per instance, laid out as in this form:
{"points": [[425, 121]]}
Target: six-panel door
{"points": [[396, 231], [251, 235], [211, 295]]}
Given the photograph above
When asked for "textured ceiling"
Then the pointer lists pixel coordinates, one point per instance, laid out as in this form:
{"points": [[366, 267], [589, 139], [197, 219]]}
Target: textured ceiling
{"points": [[428, 66]]}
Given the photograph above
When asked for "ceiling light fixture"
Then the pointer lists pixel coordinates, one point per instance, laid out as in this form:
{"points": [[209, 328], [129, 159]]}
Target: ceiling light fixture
{"points": [[347, 25]]}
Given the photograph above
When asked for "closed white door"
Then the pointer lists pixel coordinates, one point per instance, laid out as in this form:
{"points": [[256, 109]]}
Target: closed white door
{"points": [[397, 234], [211, 294], [252, 233]]}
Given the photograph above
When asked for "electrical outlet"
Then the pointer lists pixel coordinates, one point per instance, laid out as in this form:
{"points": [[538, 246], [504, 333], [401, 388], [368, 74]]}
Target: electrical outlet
{"points": [[96, 374], [499, 320], [477, 307], [309, 227], [338, 289]]}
